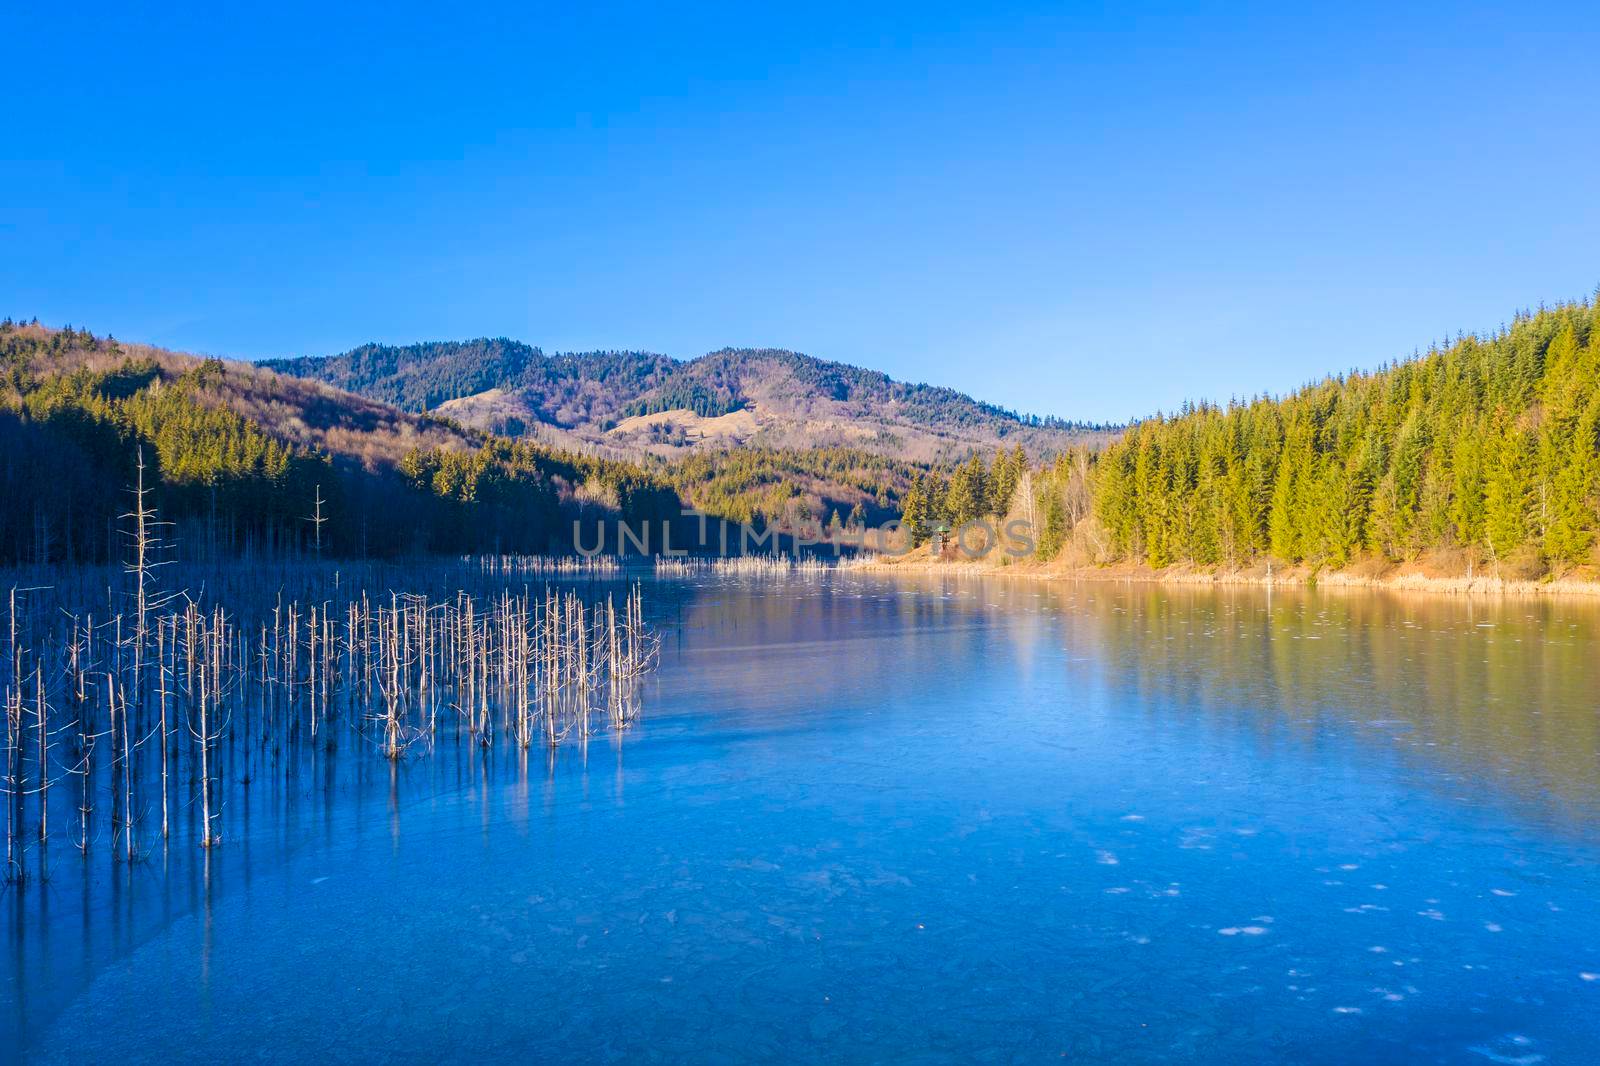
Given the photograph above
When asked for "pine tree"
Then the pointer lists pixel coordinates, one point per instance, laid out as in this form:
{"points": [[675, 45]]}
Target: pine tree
{"points": [[1003, 476], [914, 509], [1283, 524], [967, 497], [1507, 493], [1573, 513], [1052, 536]]}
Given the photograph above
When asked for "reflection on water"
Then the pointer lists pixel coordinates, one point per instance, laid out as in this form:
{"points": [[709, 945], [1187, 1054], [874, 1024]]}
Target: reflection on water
{"points": [[1499, 696], [946, 818]]}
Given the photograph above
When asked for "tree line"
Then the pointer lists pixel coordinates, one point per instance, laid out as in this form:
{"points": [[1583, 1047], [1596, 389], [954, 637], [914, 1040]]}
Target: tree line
{"points": [[941, 499], [833, 486]]}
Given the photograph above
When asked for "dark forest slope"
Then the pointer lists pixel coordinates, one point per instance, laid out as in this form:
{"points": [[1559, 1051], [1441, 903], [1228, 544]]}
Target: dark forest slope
{"points": [[239, 456]]}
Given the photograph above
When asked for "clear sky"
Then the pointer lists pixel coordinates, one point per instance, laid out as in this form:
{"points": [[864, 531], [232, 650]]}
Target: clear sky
{"points": [[1093, 211]]}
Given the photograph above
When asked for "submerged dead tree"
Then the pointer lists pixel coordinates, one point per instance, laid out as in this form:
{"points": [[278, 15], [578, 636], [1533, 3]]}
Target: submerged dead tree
{"points": [[162, 701]]}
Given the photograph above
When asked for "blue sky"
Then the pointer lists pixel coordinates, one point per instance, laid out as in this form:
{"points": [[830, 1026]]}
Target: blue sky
{"points": [[1089, 211]]}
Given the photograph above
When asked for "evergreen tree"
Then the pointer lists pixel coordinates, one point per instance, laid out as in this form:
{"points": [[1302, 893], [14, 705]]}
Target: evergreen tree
{"points": [[967, 497], [1053, 535], [1004, 476], [1507, 492]]}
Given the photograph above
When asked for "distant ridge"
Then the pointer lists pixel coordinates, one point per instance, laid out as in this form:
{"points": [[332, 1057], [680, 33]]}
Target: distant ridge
{"points": [[632, 400]]}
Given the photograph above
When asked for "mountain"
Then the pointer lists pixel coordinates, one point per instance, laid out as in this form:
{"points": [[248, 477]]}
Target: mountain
{"points": [[632, 403]]}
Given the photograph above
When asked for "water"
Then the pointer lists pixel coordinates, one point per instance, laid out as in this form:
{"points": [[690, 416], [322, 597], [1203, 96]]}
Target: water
{"points": [[931, 819]]}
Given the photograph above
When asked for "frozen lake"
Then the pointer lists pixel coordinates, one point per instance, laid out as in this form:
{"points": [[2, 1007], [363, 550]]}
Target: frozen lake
{"points": [[936, 819]]}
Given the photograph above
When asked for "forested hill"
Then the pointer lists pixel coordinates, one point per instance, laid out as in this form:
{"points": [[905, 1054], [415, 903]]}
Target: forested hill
{"points": [[1491, 446], [1480, 457], [240, 456], [247, 461], [633, 401]]}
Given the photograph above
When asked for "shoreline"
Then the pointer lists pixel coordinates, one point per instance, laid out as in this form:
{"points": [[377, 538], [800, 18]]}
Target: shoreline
{"points": [[1296, 578]]}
